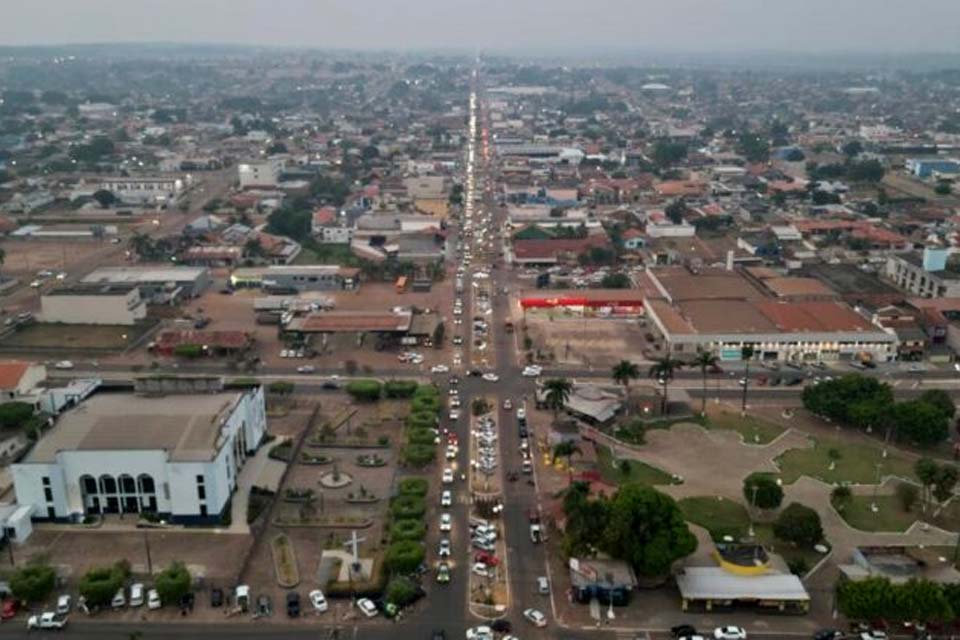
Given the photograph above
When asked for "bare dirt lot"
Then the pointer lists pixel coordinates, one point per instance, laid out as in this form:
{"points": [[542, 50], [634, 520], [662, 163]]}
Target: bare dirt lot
{"points": [[25, 257], [595, 342], [41, 335]]}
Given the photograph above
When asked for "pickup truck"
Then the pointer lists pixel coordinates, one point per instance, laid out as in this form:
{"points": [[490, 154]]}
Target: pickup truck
{"points": [[47, 620]]}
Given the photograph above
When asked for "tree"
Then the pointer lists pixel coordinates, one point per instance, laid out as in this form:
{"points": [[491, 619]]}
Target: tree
{"points": [[623, 372], [646, 529], [15, 414], [798, 524], [104, 198], [253, 249], [401, 591], [616, 281], [676, 211], [907, 494], [172, 583], [921, 600], [366, 390], [927, 471], [586, 520], [762, 491], [840, 497], [99, 585], [943, 188], [663, 369], [941, 400], [866, 599], [853, 148], [666, 154], [33, 582], [945, 482], [752, 147], [404, 556], [280, 388], [865, 171], [565, 449], [706, 360], [922, 424], [556, 393], [848, 400], [290, 222]]}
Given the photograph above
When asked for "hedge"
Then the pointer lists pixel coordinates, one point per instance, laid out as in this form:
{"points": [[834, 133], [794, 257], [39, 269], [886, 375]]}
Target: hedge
{"points": [[408, 507], [188, 351], [404, 556], [422, 419], [421, 436], [427, 391], [413, 487], [366, 390], [419, 455], [400, 388], [408, 529], [425, 404]]}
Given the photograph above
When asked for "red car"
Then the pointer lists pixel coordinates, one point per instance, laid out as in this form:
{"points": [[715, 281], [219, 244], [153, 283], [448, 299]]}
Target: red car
{"points": [[9, 609], [486, 558]]}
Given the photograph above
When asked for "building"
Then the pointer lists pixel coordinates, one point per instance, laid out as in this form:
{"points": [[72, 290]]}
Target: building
{"points": [[143, 191], [927, 275], [900, 564], [603, 579], [157, 285], [430, 187], [298, 278], [625, 303], [113, 304], [721, 311], [708, 587], [926, 167], [263, 174], [174, 456], [19, 379]]}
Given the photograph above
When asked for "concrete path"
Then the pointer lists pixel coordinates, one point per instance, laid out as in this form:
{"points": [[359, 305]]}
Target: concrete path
{"points": [[250, 475]]}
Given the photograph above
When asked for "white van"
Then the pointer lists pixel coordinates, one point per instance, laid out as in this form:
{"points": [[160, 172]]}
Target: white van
{"points": [[136, 595]]}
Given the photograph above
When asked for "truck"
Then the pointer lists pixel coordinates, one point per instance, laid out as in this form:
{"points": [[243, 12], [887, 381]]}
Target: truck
{"points": [[47, 620], [536, 529]]}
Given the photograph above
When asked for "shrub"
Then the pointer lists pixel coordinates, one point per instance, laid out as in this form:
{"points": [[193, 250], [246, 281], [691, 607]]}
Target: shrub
{"points": [[840, 497], [413, 487], [190, 351], [798, 566], [425, 404], [422, 419], [408, 529], [762, 491], [419, 455], [280, 388], [99, 584], [907, 494], [282, 451], [404, 556], [426, 391], [172, 583], [14, 414], [798, 524], [33, 583], [479, 406], [364, 390], [421, 436], [401, 591], [408, 506], [400, 388]]}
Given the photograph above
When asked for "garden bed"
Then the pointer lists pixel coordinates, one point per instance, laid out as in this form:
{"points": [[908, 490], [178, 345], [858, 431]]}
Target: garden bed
{"points": [[325, 522], [285, 561]]}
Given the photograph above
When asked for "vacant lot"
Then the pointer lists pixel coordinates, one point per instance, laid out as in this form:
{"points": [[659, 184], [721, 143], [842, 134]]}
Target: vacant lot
{"points": [[41, 335], [585, 341]]}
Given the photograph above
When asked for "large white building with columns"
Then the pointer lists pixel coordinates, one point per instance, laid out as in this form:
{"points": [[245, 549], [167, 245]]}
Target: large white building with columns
{"points": [[177, 456]]}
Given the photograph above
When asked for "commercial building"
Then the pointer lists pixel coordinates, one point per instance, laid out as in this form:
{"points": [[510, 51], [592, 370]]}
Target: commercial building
{"points": [[926, 167], [298, 278], [926, 274], [157, 285], [174, 456], [113, 304], [602, 579], [263, 174], [711, 587], [586, 302], [143, 190], [721, 311]]}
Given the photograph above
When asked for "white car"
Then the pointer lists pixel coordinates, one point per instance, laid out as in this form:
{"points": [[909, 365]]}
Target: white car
{"points": [[521, 413], [730, 633], [306, 368], [480, 569], [444, 549], [531, 371], [63, 365], [439, 368], [153, 600], [507, 404], [446, 522], [119, 600], [446, 498], [480, 633], [367, 607], [447, 476], [451, 451], [455, 402], [491, 377], [454, 414], [63, 605], [318, 601], [136, 594], [535, 617]]}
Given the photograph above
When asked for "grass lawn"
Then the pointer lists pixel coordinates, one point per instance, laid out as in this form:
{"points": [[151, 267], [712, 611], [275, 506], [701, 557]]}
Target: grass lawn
{"points": [[75, 336], [857, 463], [889, 517], [719, 516], [640, 472], [326, 254], [753, 430], [786, 550]]}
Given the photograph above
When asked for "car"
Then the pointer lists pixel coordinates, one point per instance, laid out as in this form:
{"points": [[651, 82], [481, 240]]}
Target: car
{"points": [[486, 558], [367, 607], [502, 625], [439, 368], [451, 452], [535, 617], [447, 477], [438, 634], [491, 377], [480, 569], [454, 414], [119, 600], [683, 631], [446, 522], [875, 634], [187, 601], [455, 402], [446, 498], [216, 597], [531, 371], [264, 607], [63, 365], [730, 633], [136, 594], [444, 548], [828, 634], [64, 603], [443, 573], [306, 368], [153, 600], [48, 620], [480, 633], [507, 404], [543, 585], [9, 608], [318, 601], [293, 604]]}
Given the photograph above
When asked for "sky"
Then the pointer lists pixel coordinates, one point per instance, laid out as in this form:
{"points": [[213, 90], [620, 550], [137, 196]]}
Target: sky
{"points": [[792, 26]]}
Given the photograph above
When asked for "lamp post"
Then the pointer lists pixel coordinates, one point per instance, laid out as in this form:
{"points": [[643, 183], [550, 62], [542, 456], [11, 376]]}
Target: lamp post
{"points": [[753, 507], [873, 505], [146, 545]]}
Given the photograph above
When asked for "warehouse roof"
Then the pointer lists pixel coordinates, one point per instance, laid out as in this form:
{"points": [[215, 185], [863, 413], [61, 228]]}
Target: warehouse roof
{"points": [[351, 321], [713, 583], [144, 274]]}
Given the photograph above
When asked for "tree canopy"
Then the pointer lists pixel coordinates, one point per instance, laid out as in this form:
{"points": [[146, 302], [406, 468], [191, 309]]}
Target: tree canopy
{"points": [[762, 491], [799, 524]]}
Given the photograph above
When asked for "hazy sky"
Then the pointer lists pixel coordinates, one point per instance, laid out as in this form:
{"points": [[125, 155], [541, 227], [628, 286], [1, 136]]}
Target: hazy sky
{"points": [[812, 26]]}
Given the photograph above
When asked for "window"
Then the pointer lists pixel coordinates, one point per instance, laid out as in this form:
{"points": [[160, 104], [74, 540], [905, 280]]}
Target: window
{"points": [[48, 494], [201, 492], [200, 479], [46, 481]]}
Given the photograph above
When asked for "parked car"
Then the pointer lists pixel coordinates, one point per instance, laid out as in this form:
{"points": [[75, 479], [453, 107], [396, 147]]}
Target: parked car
{"points": [[153, 600], [543, 586], [64, 604], [536, 617], [730, 633], [47, 620], [318, 601], [119, 600], [683, 631], [501, 625], [136, 594], [264, 606], [367, 607], [216, 597], [293, 604], [9, 608]]}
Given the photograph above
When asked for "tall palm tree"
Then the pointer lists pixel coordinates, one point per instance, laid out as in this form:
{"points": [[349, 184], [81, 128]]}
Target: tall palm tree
{"points": [[663, 370], [706, 360], [557, 392], [623, 372], [746, 353]]}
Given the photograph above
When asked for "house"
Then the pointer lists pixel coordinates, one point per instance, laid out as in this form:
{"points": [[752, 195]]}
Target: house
{"points": [[176, 456], [263, 174], [18, 379], [634, 240]]}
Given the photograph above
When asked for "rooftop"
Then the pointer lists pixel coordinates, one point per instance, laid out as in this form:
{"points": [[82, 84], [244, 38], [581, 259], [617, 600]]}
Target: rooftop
{"points": [[713, 583], [93, 289], [135, 275], [187, 427], [351, 321], [11, 371]]}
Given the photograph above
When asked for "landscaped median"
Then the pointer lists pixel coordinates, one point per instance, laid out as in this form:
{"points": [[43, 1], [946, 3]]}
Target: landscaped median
{"points": [[284, 561]]}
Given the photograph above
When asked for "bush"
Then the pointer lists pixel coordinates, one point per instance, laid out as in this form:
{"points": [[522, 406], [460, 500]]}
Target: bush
{"points": [[14, 414], [100, 584], [798, 566], [413, 487], [907, 495], [425, 404], [426, 391], [172, 583], [190, 351], [421, 436], [400, 388], [840, 497], [364, 390], [408, 529], [401, 591], [408, 506], [798, 524], [404, 556], [280, 388], [479, 406], [33, 583], [419, 455], [762, 491], [282, 451], [422, 419]]}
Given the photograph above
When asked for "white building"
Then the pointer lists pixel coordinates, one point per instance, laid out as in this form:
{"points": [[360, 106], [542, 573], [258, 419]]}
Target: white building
{"points": [[175, 456], [927, 275], [143, 190], [263, 174], [94, 304]]}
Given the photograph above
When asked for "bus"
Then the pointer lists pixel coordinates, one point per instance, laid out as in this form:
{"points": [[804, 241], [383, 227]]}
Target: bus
{"points": [[401, 284]]}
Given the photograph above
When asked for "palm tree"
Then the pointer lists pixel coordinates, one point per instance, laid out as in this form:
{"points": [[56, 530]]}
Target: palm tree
{"points": [[705, 360], [746, 353], [623, 372], [663, 370], [557, 392], [565, 449]]}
